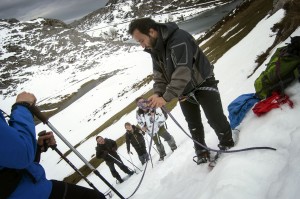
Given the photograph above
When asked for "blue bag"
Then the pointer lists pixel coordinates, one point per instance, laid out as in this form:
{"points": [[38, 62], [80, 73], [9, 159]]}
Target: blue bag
{"points": [[239, 107]]}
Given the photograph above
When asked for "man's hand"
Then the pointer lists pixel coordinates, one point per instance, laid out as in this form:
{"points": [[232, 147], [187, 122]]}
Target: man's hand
{"points": [[144, 129], [105, 153], [26, 97], [114, 149], [156, 102], [46, 140]]}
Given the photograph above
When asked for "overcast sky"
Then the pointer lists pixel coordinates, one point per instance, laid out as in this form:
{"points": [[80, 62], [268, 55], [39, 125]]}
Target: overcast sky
{"points": [[65, 10]]}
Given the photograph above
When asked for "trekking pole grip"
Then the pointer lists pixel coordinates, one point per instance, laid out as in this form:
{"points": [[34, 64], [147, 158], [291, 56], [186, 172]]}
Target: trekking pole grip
{"points": [[36, 111]]}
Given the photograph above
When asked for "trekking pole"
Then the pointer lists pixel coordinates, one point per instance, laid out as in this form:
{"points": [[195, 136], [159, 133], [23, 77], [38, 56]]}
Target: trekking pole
{"points": [[131, 160], [119, 161], [128, 161], [54, 147], [73, 166], [149, 151], [34, 110]]}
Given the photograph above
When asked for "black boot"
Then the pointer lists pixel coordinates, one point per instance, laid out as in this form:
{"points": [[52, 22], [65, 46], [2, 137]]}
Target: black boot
{"points": [[130, 173], [174, 148], [224, 146], [120, 180], [162, 156], [202, 156]]}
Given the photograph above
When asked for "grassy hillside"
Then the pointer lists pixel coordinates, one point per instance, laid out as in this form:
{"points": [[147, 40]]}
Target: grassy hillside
{"points": [[283, 29], [233, 27]]}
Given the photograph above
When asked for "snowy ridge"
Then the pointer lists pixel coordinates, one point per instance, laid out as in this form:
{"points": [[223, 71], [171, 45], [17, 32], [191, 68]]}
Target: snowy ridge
{"points": [[111, 22], [54, 52]]}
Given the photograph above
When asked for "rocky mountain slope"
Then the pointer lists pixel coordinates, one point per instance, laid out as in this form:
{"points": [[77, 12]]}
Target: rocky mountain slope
{"points": [[120, 10], [49, 44], [111, 21], [58, 48]]}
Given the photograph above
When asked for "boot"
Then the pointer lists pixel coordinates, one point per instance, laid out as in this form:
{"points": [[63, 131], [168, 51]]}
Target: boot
{"points": [[226, 141], [174, 148], [161, 151], [223, 148], [202, 156], [130, 173], [162, 156], [120, 180]]}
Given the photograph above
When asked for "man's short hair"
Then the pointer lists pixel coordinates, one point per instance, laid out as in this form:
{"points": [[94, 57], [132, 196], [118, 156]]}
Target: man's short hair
{"points": [[143, 25], [138, 99], [127, 124], [98, 137]]}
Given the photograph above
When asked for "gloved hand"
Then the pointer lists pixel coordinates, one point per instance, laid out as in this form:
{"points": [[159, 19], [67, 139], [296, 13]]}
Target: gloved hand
{"points": [[144, 129], [105, 153], [46, 140], [26, 97]]}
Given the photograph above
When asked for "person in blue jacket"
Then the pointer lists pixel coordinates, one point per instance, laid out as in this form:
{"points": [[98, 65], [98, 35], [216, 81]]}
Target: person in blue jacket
{"points": [[21, 175]]}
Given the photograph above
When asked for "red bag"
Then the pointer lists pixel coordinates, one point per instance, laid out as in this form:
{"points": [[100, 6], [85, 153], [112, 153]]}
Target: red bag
{"points": [[274, 101]]}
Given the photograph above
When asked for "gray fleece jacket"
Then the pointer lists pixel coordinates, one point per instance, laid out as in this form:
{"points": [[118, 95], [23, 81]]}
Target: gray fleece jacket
{"points": [[179, 65]]}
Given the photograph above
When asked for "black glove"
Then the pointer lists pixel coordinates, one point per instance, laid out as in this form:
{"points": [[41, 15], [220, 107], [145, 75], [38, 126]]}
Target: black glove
{"points": [[46, 140], [105, 154], [114, 149]]}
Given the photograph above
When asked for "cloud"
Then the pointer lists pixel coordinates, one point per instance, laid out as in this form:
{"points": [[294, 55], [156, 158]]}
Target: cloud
{"points": [[65, 10]]}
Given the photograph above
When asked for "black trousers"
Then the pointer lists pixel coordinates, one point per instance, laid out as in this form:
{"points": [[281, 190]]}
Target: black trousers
{"points": [[140, 150], [63, 190], [111, 164], [210, 101]]}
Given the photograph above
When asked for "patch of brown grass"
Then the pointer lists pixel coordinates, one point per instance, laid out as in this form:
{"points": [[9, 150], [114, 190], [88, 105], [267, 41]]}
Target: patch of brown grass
{"points": [[234, 27]]}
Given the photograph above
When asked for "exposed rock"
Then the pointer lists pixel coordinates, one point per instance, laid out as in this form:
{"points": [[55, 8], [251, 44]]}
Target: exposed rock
{"points": [[278, 4]]}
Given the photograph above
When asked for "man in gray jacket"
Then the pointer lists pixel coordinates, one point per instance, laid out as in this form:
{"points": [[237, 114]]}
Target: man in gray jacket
{"points": [[182, 71]]}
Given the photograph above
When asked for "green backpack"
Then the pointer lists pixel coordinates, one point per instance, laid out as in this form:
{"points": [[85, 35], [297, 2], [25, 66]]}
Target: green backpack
{"points": [[282, 69]]}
